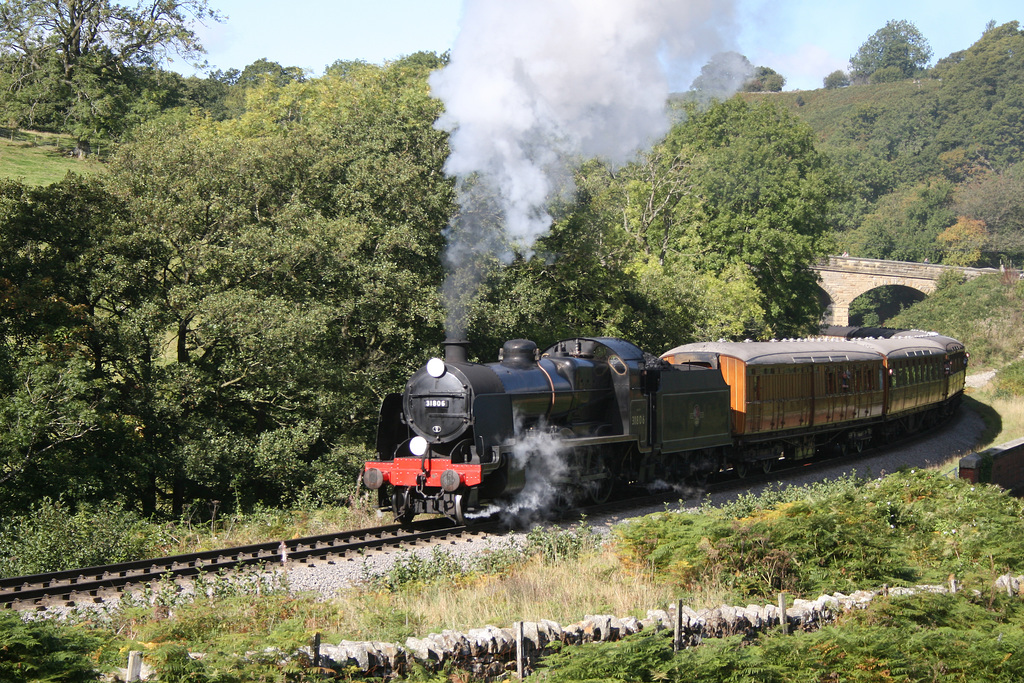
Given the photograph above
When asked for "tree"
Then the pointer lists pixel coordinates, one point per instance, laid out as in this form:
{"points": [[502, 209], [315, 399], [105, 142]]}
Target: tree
{"points": [[50, 401], [981, 99], [74, 65], [906, 224], [722, 76], [996, 200], [836, 79], [765, 79], [717, 226], [244, 297], [898, 45], [963, 242]]}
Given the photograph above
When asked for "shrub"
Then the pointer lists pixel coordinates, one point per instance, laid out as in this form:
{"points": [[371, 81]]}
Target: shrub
{"points": [[843, 535], [925, 637], [43, 651], [887, 74], [1009, 382], [836, 79], [50, 538]]}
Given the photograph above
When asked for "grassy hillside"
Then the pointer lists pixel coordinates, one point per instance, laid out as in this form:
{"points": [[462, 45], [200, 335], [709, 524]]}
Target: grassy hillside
{"points": [[828, 111], [41, 158], [986, 314]]}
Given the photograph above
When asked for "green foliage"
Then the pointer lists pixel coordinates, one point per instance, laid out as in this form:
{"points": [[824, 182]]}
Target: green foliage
{"points": [[555, 544], [957, 122], [765, 80], [632, 659], [89, 68], [897, 48], [686, 243], [43, 652], [1009, 381], [842, 536], [989, 326], [50, 537], [836, 79], [208, 315], [907, 223], [926, 637], [757, 195]]}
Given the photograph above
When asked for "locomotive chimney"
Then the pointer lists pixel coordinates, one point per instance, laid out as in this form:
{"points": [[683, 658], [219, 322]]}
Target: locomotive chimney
{"points": [[455, 351]]}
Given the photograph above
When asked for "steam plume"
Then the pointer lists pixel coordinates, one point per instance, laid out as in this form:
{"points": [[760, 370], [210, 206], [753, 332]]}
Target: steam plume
{"points": [[534, 84]]}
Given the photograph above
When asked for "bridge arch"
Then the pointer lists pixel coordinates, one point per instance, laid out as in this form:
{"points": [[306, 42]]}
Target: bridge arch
{"points": [[844, 278]]}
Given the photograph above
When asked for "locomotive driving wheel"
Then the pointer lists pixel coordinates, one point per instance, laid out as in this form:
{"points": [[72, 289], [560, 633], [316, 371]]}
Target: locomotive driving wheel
{"points": [[600, 490], [404, 512]]}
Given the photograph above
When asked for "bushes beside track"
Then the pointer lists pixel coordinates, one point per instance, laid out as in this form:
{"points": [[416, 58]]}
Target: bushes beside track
{"points": [[906, 528]]}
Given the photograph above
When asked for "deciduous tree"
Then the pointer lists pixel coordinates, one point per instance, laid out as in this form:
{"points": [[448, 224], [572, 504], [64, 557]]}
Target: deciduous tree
{"points": [[76, 65], [898, 45]]}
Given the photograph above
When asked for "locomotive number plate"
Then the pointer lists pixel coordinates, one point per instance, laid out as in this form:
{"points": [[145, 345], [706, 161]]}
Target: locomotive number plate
{"points": [[435, 403]]}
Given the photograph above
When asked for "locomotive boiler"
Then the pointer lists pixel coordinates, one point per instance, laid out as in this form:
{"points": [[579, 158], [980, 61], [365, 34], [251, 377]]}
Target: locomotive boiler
{"points": [[461, 434]]}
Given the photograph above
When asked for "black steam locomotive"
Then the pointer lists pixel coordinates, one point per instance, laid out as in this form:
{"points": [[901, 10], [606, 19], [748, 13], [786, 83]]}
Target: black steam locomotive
{"points": [[464, 435]]}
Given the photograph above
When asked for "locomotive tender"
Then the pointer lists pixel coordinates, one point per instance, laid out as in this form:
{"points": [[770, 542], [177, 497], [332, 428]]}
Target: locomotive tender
{"points": [[462, 434]]}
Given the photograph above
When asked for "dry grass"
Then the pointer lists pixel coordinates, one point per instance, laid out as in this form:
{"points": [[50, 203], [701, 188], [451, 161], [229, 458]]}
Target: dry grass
{"points": [[1007, 423], [564, 592]]}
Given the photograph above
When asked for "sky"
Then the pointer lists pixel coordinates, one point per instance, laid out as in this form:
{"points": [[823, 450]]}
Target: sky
{"points": [[804, 40]]}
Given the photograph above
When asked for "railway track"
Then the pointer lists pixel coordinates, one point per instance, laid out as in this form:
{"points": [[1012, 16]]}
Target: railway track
{"points": [[100, 584]]}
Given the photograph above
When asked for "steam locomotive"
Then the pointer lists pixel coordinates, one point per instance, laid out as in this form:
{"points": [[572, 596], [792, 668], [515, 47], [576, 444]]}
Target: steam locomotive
{"points": [[464, 435]]}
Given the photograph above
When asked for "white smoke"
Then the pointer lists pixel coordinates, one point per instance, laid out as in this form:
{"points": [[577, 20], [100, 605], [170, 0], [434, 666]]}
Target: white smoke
{"points": [[534, 84], [542, 459]]}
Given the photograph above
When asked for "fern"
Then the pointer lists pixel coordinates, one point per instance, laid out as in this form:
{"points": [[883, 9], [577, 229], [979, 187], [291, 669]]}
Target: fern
{"points": [[41, 651]]}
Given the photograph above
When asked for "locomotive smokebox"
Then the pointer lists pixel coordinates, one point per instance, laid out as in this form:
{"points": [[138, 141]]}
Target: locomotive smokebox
{"points": [[455, 351]]}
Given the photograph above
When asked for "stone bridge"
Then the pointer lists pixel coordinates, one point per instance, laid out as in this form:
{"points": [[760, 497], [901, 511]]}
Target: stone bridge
{"points": [[844, 278]]}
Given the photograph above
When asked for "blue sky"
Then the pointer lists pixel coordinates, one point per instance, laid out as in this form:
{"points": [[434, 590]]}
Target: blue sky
{"points": [[804, 40]]}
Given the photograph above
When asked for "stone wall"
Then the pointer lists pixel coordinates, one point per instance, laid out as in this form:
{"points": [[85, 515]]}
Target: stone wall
{"points": [[491, 651]]}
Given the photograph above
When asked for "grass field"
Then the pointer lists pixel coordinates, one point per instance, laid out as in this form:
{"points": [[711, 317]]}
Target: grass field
{"points": [[41, 158]]}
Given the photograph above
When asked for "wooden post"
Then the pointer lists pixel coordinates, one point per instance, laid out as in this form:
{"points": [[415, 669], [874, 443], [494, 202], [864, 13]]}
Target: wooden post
{"points": [[677, 638], [520, 667], [134, 665], [316, 650], [783, 622]]}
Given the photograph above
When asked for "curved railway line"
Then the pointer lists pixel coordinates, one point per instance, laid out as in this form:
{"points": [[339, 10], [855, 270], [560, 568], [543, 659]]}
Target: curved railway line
{"points": [[106, 583], [99, 584]]}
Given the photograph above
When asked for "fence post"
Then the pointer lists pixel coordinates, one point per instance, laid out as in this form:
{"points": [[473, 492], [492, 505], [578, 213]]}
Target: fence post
{"points": [[677, 637], [783, 622], [134, 665], [520, 664]]}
